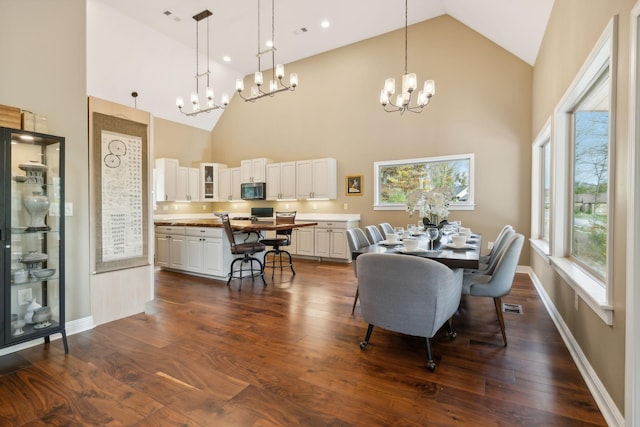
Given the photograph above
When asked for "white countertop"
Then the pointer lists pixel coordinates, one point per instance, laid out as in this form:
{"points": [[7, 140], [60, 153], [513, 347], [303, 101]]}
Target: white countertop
{"points": [[300, 216]]}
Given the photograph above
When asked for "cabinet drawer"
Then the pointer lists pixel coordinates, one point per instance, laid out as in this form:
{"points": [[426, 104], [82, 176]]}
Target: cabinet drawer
{"points": [[203, 231], [168, 229], [332, 224]]}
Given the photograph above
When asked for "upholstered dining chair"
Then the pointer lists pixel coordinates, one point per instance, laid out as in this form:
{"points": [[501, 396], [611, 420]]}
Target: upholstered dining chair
{"points": [[496, 243], [385, 228], [356, 240], [406, 294], [282, 239], [247, 250], [499, 283], [495, 254], [373, 234]]}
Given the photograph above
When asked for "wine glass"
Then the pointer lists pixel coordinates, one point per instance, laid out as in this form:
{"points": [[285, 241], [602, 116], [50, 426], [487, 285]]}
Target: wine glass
{"points": [[432, 234], [398, 231]]}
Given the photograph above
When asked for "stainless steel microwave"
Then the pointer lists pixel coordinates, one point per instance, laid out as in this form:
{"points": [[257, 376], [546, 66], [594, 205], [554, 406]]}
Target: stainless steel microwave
{"points": [[253, 191]]}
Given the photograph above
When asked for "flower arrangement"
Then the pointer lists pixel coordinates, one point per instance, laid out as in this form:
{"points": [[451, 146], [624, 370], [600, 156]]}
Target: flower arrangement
{"points": [[433, 206]]}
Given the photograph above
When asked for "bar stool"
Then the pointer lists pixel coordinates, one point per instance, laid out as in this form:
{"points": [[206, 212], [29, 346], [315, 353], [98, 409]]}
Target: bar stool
{"points": [[247, 249], [283, 238]]}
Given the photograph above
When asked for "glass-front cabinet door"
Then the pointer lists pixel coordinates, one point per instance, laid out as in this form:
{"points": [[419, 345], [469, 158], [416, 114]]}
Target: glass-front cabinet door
{"points": [[32, 222]]}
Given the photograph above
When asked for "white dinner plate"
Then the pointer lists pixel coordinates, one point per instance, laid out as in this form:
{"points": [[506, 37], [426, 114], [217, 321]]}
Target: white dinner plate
{"points": [[412, 251], [464, 247], [387, 243]]}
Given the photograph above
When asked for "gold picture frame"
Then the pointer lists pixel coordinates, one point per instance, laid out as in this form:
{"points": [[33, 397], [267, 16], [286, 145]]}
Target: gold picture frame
{"points": [[354, 185]]}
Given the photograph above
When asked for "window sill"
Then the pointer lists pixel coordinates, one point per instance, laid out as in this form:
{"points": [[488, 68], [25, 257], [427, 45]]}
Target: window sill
{"points": [[590, 290], [542, 248]]}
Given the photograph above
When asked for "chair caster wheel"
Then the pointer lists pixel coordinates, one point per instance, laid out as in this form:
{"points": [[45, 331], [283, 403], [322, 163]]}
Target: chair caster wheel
{"points": [[453, 335], [431, 365], [363, 345]]}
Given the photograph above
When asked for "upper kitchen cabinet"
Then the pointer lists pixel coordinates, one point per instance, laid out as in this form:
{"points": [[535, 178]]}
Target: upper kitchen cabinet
{"points": [[210, 181], [166, 180], [188, 184], [317, 179], [281, 181], [229, 184], [254, 170]]}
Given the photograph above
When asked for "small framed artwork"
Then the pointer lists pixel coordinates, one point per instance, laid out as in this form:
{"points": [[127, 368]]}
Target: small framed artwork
{"points": [[354, 185]]}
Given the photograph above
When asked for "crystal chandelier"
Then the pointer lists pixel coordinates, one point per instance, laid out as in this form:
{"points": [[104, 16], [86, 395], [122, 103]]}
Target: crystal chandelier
{"points": [[409, 85], [276, 83], [195, 97]]}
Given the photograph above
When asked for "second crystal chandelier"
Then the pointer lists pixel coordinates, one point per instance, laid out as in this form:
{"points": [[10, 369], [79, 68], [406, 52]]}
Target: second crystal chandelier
{"points": [[276, 83], [409, 84]]}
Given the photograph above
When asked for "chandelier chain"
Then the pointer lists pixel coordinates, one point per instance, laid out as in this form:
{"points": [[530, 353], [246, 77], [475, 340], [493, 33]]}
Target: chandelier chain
{"points": [[406, 23]]}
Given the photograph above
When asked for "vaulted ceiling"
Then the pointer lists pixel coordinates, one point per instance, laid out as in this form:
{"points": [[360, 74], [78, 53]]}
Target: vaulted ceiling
{"points": [[516, 25]]}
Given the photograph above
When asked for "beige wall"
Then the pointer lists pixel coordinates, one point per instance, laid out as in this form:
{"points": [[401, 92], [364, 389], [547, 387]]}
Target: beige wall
{"points": [[482, 106], [571, 34], [188, 144], [44, 71]]}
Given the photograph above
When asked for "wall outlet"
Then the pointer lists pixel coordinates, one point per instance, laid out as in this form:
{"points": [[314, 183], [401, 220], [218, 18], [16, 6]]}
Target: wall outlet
{"points": [[490, 245], [345, 206], [204, 207], [68, 209], [315, 206], [165, 208], [24, 296], [576, 301]]}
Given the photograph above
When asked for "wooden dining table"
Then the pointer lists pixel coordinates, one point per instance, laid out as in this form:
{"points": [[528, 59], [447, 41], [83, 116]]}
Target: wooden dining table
{"points": [[467, 257]]}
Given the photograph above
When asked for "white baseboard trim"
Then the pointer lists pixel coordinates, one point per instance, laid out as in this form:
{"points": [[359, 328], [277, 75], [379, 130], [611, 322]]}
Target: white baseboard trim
{"points": [[72, 327], [609, 410]]}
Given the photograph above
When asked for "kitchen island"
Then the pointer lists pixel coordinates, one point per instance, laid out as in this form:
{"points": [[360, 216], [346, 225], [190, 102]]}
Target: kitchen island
{"points": [[196, 244]]}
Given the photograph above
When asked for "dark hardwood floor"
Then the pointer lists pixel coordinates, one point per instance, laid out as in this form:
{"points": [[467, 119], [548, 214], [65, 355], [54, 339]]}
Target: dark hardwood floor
{"points": [[205, 354]]}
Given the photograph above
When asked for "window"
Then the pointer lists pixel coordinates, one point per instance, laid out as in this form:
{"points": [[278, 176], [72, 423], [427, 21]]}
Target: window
{"points": [[541, 190], [590, 143], [394, 180], [546, 190], [581, 208]]}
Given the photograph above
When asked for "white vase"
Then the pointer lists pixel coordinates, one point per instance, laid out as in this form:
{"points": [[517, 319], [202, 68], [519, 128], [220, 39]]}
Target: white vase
{"points": [[37, 205], [33, 305]]}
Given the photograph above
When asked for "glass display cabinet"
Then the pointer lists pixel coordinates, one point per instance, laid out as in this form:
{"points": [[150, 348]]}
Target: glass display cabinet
{"points": [[32, 235]]}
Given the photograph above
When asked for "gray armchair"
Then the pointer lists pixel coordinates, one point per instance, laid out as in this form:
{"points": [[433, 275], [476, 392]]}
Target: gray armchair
{"points": [[489, 262], [373, 234], [407, 294], [499, 283]]}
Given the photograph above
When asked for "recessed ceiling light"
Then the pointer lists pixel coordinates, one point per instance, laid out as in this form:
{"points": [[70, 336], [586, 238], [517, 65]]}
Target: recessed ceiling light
{"points": [[325, 23], [226, 58]]}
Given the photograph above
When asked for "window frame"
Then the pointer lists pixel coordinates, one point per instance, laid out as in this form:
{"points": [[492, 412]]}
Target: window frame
{"points": [[455, 206], [597, 293]]}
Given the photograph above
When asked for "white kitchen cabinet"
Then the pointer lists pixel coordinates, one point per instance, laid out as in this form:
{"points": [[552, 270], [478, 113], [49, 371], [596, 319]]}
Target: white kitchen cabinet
{"points": [[210, 181], [171, 249], [166, 179], [229, 180], [254, 170], [331, 242], [281, 181], [316, 179], [188, 184], [305, 241], [204, 250]]}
